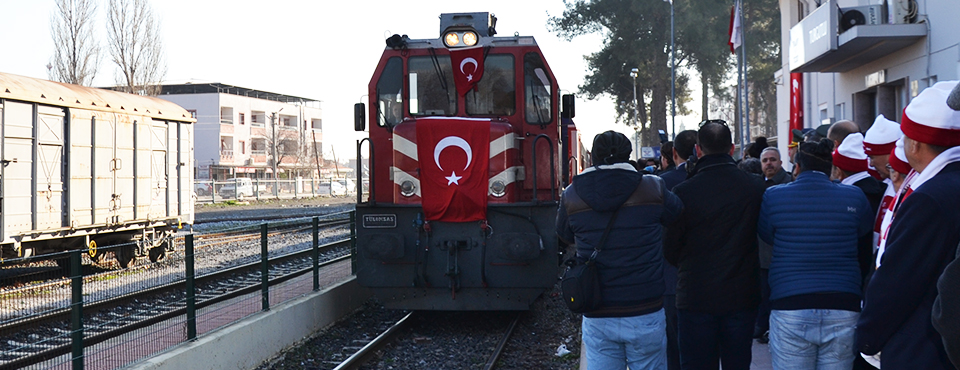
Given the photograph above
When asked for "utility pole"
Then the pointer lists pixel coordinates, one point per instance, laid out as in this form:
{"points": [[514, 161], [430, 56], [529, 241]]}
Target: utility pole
{"points": [[634, 73], [273, 125], [673, 77]]}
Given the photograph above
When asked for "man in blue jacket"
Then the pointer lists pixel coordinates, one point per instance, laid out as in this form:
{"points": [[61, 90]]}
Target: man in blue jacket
{"points": [[815, 279], [921, 242], [629, 326]]}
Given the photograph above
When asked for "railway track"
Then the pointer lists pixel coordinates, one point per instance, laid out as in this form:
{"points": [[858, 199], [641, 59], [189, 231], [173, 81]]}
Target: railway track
{"points": [[45, 334], [365, 353], [123, 314]]}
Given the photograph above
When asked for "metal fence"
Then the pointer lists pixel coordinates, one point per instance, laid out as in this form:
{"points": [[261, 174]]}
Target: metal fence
{"points": [[240, 189], [99, 318]]}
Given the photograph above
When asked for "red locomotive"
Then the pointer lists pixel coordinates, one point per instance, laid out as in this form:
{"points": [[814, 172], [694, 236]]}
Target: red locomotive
{"points": [[467, 158]]}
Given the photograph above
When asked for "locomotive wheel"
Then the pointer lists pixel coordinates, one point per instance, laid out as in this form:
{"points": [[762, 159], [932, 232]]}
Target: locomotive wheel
{"points": [[158, 254], [126, 255]]}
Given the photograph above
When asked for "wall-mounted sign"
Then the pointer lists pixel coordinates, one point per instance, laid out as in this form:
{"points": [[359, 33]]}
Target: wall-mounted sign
{"points": [[876, 78], [814, 36]]}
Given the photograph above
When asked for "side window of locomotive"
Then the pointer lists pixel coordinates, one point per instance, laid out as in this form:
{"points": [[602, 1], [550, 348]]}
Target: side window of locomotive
{"points": [[389, 97], [496, 91], [432, 91], [536, 91]]}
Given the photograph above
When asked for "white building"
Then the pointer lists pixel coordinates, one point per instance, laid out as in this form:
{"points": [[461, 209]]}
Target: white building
{"points": [[243, 132], [896, 49]]}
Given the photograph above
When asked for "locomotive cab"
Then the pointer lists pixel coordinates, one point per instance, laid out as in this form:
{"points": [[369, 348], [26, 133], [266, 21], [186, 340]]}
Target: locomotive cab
{"points": [[465, 154]]}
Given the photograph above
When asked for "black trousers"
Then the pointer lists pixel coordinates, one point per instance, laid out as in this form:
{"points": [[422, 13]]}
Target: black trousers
{"points": [[673, 343]]}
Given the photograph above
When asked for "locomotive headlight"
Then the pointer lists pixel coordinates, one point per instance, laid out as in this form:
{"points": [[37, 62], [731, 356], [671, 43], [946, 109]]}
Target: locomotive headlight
{"points": [[469, 38], [451, 39], [498, 188], [407, 188]]}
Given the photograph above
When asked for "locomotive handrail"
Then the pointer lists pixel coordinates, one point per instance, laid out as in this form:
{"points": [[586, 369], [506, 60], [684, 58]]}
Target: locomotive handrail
{"points": [[372, 167], [553, 170]]}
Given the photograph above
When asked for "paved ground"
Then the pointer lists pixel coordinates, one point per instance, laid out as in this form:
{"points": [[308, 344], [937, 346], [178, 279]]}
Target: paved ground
{"points": [[761, 357]]}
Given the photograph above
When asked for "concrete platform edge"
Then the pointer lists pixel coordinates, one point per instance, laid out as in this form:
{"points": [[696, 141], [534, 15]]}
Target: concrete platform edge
{"points": [[256, 339]]}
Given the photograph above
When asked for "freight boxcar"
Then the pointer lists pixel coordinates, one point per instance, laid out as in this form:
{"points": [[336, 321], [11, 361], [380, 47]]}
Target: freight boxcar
{"points": [[88, 168]]}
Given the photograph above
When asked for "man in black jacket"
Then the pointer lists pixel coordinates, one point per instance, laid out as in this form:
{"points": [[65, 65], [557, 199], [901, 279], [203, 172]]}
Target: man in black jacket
{"points": [[714, 245]]}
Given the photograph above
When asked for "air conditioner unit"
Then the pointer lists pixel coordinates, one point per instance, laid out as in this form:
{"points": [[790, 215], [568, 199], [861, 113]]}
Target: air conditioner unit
{"points": [[248, 162], [901, 11], [861, 15]]}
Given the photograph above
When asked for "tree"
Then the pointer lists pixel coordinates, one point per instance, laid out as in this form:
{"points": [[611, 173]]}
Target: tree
{"points": [[76, 52], [762, 29], [702, 27], [135, 46], [637, 35]]}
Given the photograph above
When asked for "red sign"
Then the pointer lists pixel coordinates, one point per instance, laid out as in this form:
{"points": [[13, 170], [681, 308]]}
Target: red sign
{"points": [[454, 155], [796, 101], [467, 68]]}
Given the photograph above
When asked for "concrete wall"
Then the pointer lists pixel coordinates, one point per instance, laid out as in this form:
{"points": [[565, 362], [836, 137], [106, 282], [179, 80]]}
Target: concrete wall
{"points": [[254, 340]]}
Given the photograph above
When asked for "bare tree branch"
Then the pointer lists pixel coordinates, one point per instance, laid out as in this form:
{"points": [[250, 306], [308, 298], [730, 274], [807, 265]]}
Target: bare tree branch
{"points": [[133, 34], [76, 52]]}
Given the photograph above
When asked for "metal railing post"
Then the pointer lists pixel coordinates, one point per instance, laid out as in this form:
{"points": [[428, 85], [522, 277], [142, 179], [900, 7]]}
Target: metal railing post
{"points": [[76, 309], [353, 242], [188, 262], [316, 254], [264, 269]]}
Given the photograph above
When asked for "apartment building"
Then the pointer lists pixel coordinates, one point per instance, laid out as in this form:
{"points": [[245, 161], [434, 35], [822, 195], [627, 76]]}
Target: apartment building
{"points": [[242, 132], [856, 59]]}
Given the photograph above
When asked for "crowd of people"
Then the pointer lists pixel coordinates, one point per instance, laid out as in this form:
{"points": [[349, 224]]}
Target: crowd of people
{"points": [[848, 262]]}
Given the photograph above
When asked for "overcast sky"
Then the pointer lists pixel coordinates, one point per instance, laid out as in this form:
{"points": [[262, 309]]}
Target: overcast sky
{"points": [[324, 50]]}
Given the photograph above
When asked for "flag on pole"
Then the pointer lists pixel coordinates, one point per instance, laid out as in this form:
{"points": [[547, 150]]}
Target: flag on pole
{"points": [[736, 29]]}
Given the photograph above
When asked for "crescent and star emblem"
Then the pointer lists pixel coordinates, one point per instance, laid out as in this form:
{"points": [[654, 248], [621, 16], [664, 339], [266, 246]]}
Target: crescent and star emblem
{"points": [[464, 62], [457, 142]]}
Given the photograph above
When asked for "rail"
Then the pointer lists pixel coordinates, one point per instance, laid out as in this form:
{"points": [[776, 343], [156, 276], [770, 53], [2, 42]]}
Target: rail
{"points": [[553, 169], [137, 325]]}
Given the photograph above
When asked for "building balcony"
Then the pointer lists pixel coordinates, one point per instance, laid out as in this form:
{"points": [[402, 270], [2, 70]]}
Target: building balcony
{"points": [[816, 45]]}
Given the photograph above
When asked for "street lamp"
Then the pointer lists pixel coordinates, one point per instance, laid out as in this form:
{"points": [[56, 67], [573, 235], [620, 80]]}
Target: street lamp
{"points": [[634, 73], [673, 77]]}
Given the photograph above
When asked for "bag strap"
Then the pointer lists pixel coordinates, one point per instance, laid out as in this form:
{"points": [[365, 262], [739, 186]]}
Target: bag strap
{"points": [[606, 232]]}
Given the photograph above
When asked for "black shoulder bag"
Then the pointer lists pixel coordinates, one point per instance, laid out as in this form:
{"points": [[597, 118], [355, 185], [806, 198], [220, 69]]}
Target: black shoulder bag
{"points": [[580, 285]]}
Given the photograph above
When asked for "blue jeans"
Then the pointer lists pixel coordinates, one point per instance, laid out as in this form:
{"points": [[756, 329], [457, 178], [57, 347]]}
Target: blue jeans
{"points": [[615, 342], [812, 339], [707, 340]]}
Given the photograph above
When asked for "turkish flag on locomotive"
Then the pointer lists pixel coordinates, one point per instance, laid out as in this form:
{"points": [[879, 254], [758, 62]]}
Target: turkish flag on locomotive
{"points": [[454, 154], [467, 68]]}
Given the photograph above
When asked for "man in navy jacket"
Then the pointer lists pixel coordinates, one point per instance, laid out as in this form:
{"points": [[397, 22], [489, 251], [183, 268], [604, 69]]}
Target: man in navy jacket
{"points": [[896, 317], [629, 326]]}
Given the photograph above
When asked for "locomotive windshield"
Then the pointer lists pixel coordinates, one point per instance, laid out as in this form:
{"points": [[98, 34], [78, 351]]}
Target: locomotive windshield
{"points": [[496, 92], [536, 86], [432, 90]]}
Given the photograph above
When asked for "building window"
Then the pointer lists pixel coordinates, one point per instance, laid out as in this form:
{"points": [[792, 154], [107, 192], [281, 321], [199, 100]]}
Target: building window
{"points": [[193, 113], [226, 115], [317, 123], [258, 147], [242, 122], [838, 111], [257, 118]]}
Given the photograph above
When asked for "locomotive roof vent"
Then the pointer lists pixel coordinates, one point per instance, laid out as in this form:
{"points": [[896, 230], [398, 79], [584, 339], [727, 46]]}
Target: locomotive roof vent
{"points": [[484, 23]]}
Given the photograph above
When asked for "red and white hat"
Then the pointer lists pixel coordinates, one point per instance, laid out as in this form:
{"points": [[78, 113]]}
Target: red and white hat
{"points": [[882, 137], [898, 159], [929, 120], [849, 156]]}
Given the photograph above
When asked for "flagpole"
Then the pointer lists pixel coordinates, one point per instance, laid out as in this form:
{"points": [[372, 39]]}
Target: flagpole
{"points": [[746, 85]]}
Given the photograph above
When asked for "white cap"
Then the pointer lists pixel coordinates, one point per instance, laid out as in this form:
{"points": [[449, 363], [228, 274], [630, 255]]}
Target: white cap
{"points": [[849, 156], [929, 120], [881, 137]]}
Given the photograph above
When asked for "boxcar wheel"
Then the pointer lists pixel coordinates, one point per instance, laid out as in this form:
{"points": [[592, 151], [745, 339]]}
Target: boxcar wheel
{"points": [[126, 255], [158, 254], [95, 253]]}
